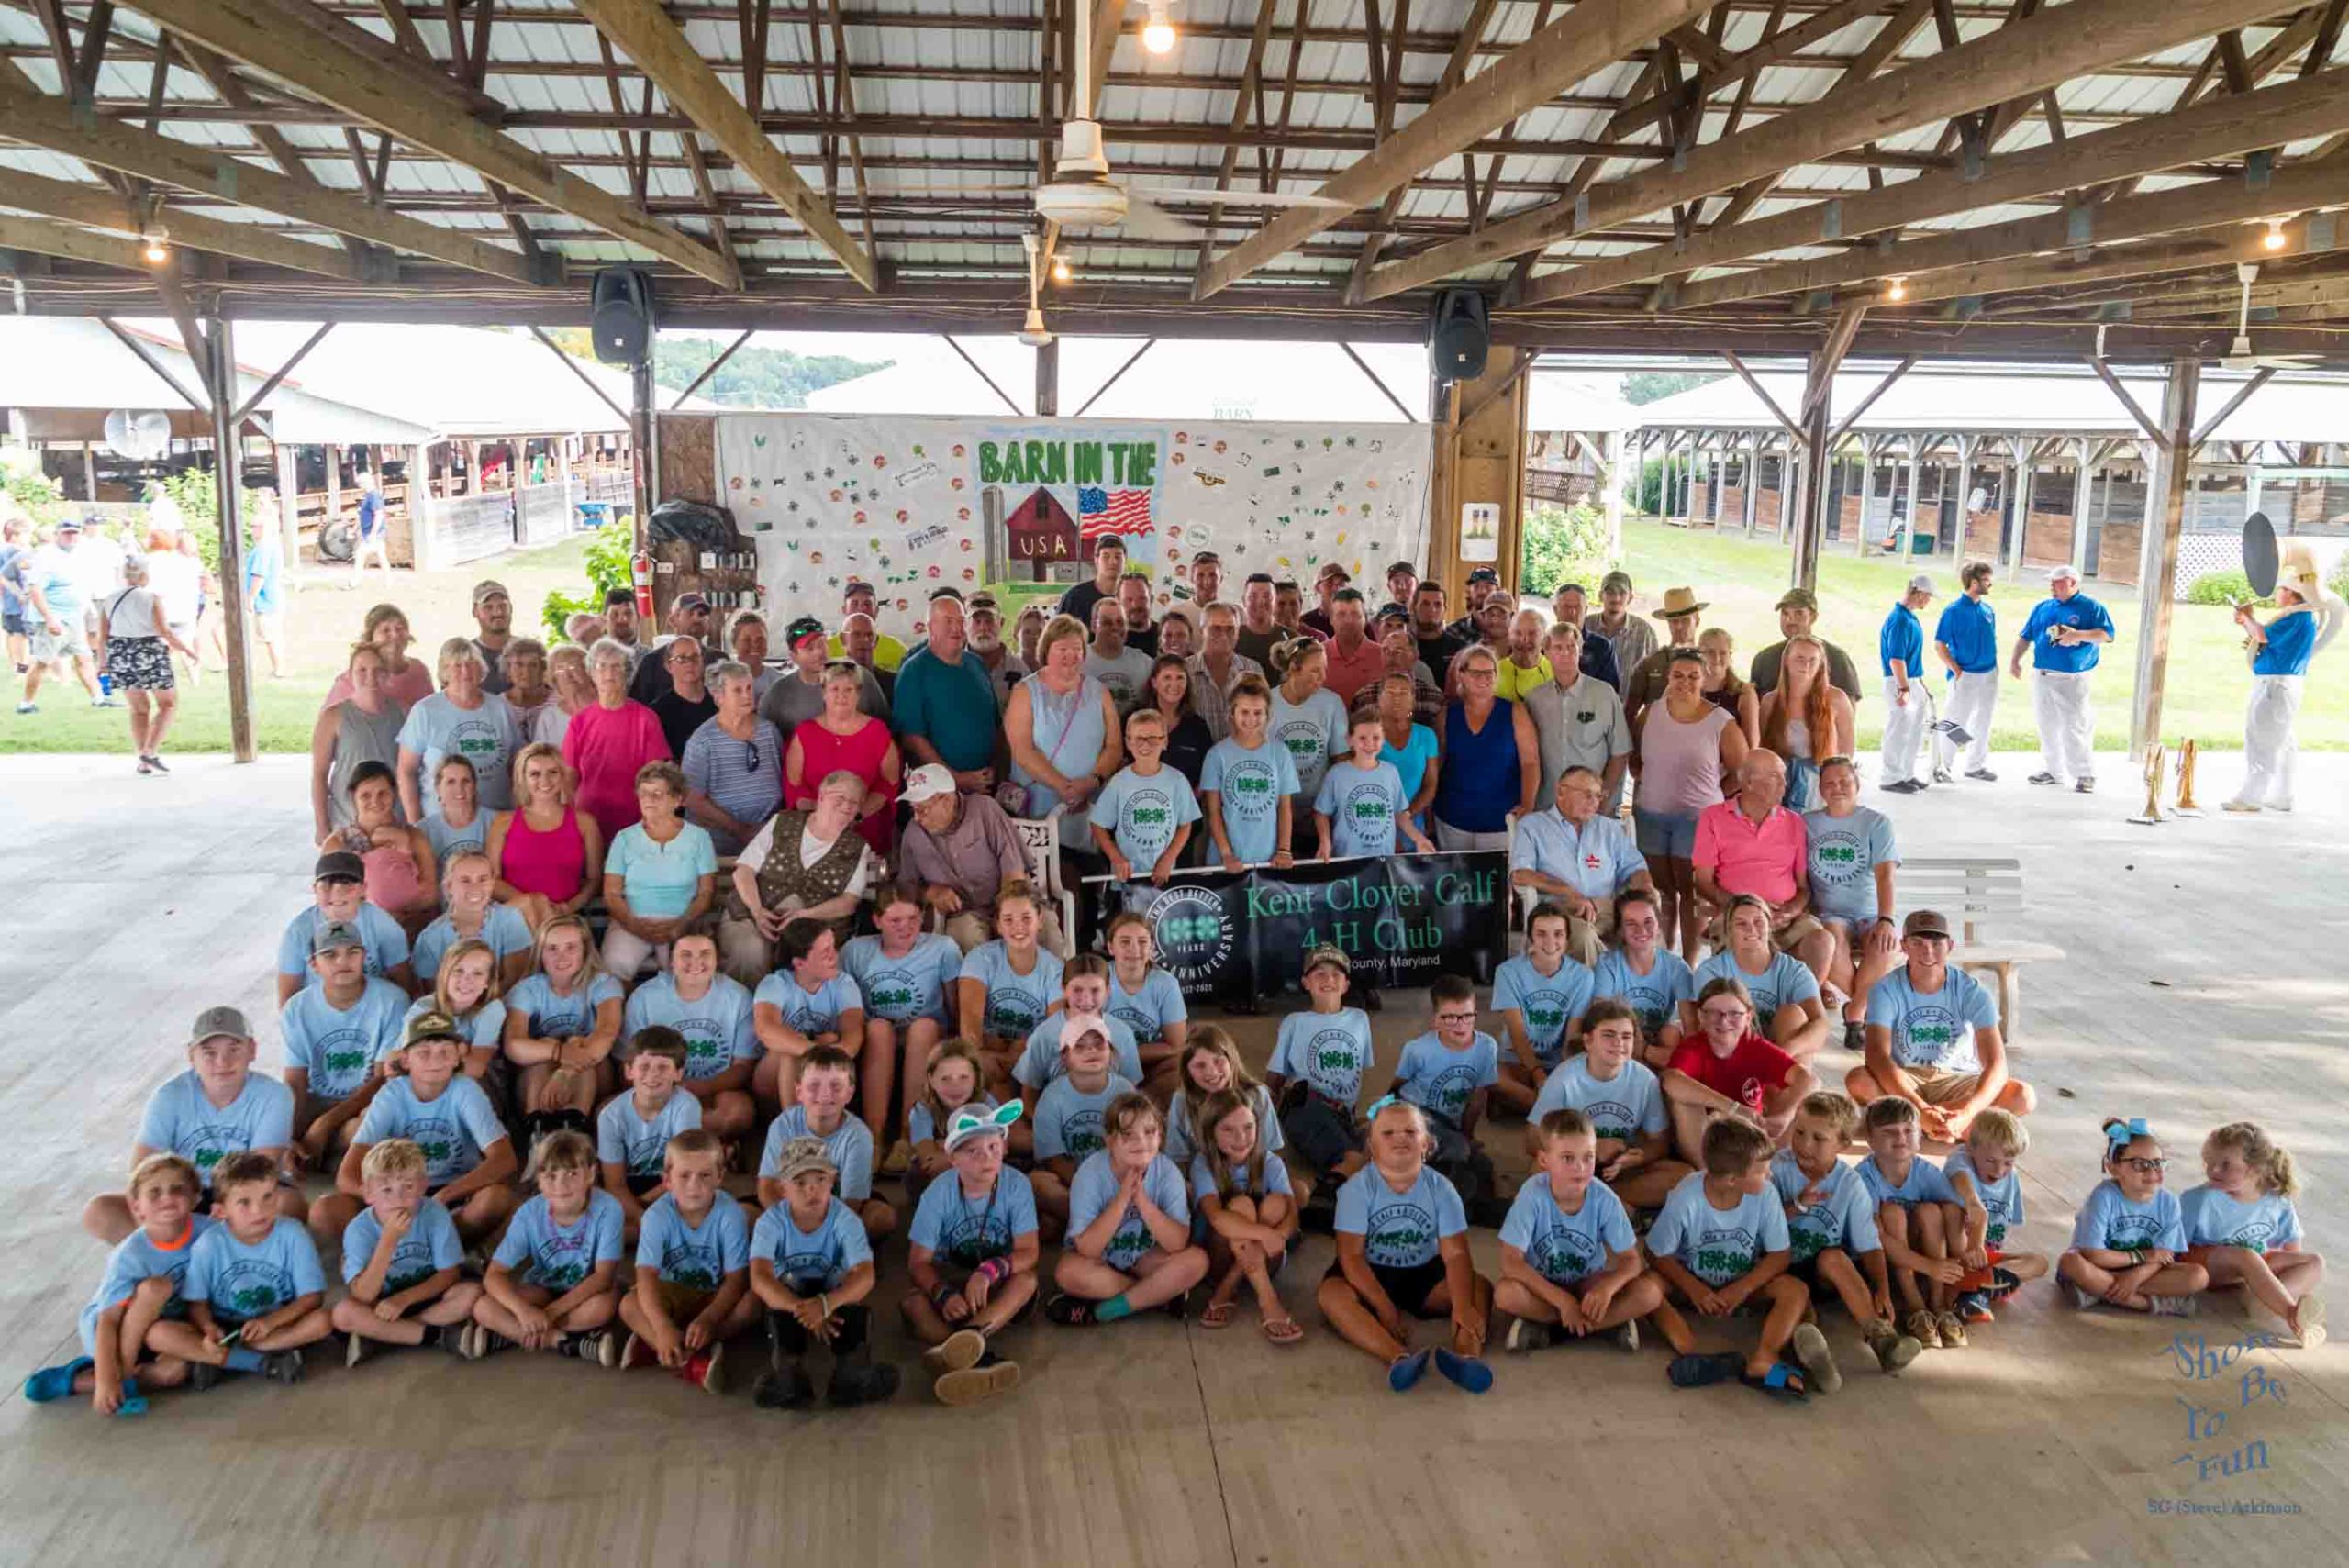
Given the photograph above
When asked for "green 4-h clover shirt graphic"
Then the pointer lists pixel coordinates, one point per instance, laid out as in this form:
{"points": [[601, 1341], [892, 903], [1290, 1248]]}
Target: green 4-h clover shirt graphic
{"points": [[1442, 1080], [1142, 814], [1547, 1003], [1933, 1029], [696, 1256], [1719, 1245], [1329, 1050], [1567, 1248], [1399, 1231]]}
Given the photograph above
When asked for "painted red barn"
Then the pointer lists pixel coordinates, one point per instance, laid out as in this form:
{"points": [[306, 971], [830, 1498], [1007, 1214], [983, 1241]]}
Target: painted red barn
{"points": [[1042, 532]]}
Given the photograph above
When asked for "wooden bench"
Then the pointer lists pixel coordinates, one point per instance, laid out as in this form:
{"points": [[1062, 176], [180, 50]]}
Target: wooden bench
{"points": [[1970, 893]]}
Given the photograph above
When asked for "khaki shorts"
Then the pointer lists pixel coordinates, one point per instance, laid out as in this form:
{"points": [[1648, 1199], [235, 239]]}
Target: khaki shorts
{"points": [[1937, 1088], [684, 1303]]}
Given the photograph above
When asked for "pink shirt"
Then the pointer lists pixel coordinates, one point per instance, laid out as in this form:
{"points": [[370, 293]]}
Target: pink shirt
{"points": [[1765, 858], [1347, 676], [606, 746]]}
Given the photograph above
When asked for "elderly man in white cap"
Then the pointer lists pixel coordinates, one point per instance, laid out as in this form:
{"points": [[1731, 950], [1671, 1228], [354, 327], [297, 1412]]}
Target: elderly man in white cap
{"points": [[957, 854], [2064, 635], [1901, 647], [2306, 617]]}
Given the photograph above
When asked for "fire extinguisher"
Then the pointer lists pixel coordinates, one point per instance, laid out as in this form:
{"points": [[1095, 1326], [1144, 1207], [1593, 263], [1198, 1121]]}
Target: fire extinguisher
{"points": [[640, 567]]}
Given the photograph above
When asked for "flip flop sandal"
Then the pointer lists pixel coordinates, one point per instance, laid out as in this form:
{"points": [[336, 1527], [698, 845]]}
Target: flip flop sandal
{"points": [[1703, 1370], [1781, 1382], [1217, 1315], [1282, 1330]]}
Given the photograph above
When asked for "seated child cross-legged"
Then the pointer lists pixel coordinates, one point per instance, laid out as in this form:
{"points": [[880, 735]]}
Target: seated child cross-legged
{"points": [[1449, 1074], [1982, 1171], [692, 1269], [1619, 1095], [1570, 1264], [1921, 1219], [1071, 1113], [553, 1283], [1321, 1055], [1249, 1208], [1539, 996], [1729, 1069], [633, 1130], [827, 1083], [811, 1268], [141, 1286], [1403, 1253], [428, 1099], [255, 1278], [1129, 1246], [1211, 1066], [2129, 1241], [400, 1255], [974, 1248], [2240, 1226], [1721, 1243], [1830, 1218]]}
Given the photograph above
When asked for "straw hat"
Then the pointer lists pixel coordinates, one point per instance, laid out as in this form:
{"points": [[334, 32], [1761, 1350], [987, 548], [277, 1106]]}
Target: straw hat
{"points": [[1678, 602]]}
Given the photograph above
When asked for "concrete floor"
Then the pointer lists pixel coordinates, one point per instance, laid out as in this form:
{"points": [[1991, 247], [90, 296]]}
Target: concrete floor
{"points": [[2204, 984]]}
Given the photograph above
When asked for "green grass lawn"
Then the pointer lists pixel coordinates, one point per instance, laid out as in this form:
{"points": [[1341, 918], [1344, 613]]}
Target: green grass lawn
{"points": [[2208, 677]]}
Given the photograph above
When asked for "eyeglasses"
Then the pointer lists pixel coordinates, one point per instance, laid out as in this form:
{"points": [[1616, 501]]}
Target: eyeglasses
{"points": [[750, 756], [1468, 1018], [2143, 1166], [1721, 1015]]}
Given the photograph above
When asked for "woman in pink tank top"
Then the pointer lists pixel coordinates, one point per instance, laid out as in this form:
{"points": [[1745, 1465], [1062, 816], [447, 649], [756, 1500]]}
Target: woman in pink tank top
{"points": [[842, 739], [549, 853], [1689, 752]]}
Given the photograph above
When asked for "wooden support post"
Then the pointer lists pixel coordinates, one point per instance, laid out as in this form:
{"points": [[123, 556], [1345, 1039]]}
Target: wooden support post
{"points": [[289, 491], [1753, 479], [644, 435], [2028, 473], [1617, 473], [1907, 532], [1479, 456], [219, 368], [2080, 498], [334, 489], [1810, 520], [423, 541], [2157, 571], [89, 473]]}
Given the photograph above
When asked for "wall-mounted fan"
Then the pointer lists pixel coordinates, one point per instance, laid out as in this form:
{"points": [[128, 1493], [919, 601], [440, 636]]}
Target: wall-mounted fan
{"points": [[138, 435]]}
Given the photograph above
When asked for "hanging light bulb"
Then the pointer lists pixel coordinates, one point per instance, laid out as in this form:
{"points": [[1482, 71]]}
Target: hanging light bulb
{"points": [[1061, 272], [1158, 33], [1896, 290], [2275, 239], [158, 244]]}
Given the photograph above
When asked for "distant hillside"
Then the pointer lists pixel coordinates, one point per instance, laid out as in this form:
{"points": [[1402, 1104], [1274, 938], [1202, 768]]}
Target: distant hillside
{"points": [[755, 378]]}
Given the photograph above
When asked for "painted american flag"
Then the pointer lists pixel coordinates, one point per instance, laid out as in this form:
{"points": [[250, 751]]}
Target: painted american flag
{"points": [[1100, 510]]}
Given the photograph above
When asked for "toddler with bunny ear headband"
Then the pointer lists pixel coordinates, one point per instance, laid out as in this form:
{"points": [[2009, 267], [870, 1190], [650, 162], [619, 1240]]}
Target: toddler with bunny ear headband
{"points": [[2129, 1239], [973, 1260]]}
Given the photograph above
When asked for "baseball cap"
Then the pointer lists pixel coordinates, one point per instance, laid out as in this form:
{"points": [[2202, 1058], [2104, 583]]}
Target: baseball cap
{"points": [[978, 602], [800, 631], [68, 525], [802, 1155], [215, 1022], [1616, 579], [689, 601], [1334, 570], [928, 782], [1922, 584], [489, 588], [333, 937], [1924, 923], [340, 865], [1797, 599], [856, 586], [430, 1026], [1334, 957], [946, 593], [1076, 1025], [2061, 573], [1484, 574], [1402, 566]]}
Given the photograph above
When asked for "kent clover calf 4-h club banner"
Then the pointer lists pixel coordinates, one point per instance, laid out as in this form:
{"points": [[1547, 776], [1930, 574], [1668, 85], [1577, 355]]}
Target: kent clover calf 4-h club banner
{"points": [[912, 504]]}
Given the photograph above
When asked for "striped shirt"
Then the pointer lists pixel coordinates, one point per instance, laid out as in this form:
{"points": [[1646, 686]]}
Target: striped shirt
{"points": [[1212, 700], [742, 778]]}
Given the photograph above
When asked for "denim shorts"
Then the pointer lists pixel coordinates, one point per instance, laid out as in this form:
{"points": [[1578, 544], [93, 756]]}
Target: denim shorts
{"points": [[1672, 833]]}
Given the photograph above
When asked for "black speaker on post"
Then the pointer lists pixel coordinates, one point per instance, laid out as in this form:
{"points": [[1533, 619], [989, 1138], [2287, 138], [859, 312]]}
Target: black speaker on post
{"points": [[1457, 335], [621, 315]]}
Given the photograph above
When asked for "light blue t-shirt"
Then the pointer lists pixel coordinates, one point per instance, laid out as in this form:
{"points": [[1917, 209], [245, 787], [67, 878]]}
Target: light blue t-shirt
{"points": [[1400, 1230], [903, 989], [1252, 785], [921, 1124], [2109, 1220], [1547, 1003], [1141, 815], [2291, 643], [385, 943], [1843, 1215], [1361, 804], [1718, 1245], [1924, 1183], [1598, 860], [2002, 1198], [716, 1025], [1040, 1062], [340, 1048], [484, 1028], [431, 1245], [1329, 1050], [1566, 1248], [1443, 1081], [1016, 1003], [956, 1229], [487, 738], [561, 1016], [1096, 1187], [1844, 853], [624, 1137], [242, 1281], [850, 1145], [180, 1119], [1182, 1139], [2079, 612], [1272, 1177], [1655, 996], [447, 840], [1068, 1120], [809, 1012], [2214, 1219], [134, 1260], [1785, 979], [1312, 731], [660, 880], [1935, 1030], [1625, 1107], [698, 1257], [541, 1252], [1147, 1012], [502, 927], [453, 1128], [811, 1261]]}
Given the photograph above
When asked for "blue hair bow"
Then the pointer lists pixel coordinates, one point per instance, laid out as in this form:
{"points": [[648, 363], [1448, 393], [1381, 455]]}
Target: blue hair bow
{"points": [[2121, 1134], [1380, 1104]]}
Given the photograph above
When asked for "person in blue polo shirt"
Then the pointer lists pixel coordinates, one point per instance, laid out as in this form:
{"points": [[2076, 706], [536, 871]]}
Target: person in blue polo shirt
{"points": [[2306, 619], [1966, 642], [2064, 637], [1900, 648], [1580, 857]]}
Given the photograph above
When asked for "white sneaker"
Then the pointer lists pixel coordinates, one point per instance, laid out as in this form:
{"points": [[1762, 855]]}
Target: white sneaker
{"points": [[2248, 807]]}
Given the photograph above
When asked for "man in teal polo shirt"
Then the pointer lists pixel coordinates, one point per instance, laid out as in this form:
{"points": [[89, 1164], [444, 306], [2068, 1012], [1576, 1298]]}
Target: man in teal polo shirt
{"points": [[945, 709]]}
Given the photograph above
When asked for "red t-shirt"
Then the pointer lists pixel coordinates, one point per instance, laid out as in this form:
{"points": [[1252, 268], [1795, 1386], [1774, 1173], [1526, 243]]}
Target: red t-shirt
{"points": [[1745, 1075]]}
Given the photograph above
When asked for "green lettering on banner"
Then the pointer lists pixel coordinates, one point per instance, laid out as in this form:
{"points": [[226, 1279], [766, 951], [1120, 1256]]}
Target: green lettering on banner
{"points": [[990, 464], [1141, 468], [1088, 462], [1031, 461]]}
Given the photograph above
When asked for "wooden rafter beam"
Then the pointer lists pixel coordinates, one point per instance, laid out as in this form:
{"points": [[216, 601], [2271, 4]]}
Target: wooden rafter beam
{"points": [[645, 34], [43, 238], [288, 158], [2047, 49], [1595, 34], [1471, 33], [354, 80], [1746, 65], [2218, 127], [1107, 16], [2190, 250], [1246, 101], [94, 206]]}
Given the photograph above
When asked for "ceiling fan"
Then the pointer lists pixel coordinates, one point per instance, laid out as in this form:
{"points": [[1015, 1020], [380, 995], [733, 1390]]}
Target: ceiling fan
{"points": [[2239, 356], [1034, 332]]}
